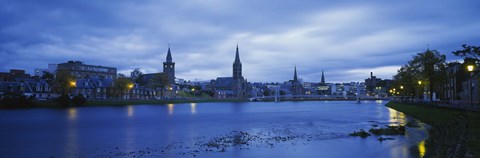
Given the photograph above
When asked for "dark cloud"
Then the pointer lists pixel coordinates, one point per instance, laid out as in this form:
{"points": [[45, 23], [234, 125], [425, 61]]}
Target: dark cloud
{"points": [[347, 40]]}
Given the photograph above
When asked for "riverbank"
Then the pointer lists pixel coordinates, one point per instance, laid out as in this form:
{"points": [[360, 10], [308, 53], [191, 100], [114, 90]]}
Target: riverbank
{"points": [[454, 133]]}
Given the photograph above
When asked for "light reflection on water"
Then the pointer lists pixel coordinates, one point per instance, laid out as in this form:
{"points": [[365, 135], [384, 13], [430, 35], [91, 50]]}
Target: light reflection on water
{"points": [[421, 148], [72, 114], [170, 108], [193, 107], [130, 110], [397, 117], [72, 135]]}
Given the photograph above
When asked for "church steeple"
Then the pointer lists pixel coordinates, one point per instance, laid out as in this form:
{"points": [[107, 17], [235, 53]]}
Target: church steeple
{"points": [[237, 56], [237, 66], [323, 78], [169, 55], [295, 78], [169, 67]]}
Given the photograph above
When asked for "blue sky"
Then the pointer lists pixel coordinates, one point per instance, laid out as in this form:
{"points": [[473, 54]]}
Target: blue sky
{"points": [[346, 39]]}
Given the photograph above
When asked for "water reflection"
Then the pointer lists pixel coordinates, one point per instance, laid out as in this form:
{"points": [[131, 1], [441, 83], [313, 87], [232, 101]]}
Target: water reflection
{"points": [[170, 109], [421, 148], [72, 134], [379, 101], [130, 110], [72, 114], [193, 108], [397, 117]]}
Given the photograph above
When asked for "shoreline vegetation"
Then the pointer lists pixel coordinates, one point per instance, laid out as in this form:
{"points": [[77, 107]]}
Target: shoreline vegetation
{"points": [[454, 132], [98, 103]]}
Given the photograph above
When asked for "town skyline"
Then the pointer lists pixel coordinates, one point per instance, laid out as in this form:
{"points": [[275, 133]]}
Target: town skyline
{"points": [[346, 40]]}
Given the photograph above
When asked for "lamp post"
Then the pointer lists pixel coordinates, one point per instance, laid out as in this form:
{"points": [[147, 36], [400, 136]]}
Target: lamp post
{"points": [[420, 87], [72, 85], [470, 70], [129, 87], [401, 90]]}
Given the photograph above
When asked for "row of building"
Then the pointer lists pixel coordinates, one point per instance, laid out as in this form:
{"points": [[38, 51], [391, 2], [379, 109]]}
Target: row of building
{"points": [[96, 82]]}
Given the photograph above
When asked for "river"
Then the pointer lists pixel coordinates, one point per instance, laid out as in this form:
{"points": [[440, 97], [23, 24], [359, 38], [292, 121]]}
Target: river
{"points": [[248, 129]]}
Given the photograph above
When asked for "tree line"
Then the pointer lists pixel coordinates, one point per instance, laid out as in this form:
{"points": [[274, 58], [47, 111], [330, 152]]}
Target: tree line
{"points": [[427, 72]]}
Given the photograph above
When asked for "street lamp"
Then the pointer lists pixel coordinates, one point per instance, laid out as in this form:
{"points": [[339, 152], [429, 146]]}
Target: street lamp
{"points": [[73, 84], [420, 84], [401, 89], [470, 70]]}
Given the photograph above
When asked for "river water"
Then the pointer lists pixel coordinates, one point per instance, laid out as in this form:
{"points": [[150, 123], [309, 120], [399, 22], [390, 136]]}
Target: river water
{"points": [[250, 129]]}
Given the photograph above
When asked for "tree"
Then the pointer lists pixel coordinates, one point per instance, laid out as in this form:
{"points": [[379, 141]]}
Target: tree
{"points": [[137, 76], [121, 85], [158, 81], [48, 76], [266, 93], [64, 81], [79, 100], [407, 78], [428, 67], [472, 52]]}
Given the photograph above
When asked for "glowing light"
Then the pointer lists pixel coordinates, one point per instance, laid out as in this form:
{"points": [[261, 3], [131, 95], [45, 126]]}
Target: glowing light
{"points": [[470, 68], [170, 109], [419, 82], [193, 89], [401, 87], [73, 84], [130, 86], [193, 108], [72, 114], [421, 148]]}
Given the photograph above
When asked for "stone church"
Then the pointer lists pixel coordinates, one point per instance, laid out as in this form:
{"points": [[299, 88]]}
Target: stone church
{"points": [[231, 87]]}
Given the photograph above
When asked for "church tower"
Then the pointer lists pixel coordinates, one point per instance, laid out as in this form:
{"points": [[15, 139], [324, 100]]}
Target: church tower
{"points": [[169, 68], [237, 67], [295, 78], [323, 79]]}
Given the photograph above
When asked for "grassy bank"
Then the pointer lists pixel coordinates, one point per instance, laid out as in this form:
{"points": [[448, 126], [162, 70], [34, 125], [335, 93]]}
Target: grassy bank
{"points": [[454, 133]]}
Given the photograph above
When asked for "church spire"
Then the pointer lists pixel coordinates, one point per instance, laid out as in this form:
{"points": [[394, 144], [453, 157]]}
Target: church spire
{"points": [[237, 66], [323, 78], [295, 78], [169, 55], [237, 56]]}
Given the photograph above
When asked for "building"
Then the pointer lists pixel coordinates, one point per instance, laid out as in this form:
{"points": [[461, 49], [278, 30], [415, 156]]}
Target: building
{"points": [[456, 74], [323, 88], [13, 74], [376, 86], [296, 85], [81, 70], [169, 68], [231, 87], [168, 71]]}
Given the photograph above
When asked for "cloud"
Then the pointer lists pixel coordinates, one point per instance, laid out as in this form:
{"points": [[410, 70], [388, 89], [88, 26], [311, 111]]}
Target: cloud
{"points": [[346, 40]]}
